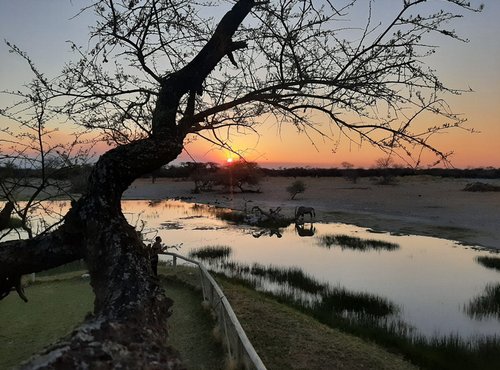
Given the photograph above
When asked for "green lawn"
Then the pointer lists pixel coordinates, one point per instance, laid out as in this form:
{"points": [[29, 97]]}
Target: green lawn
{"points": [[56, 307], [53, 310]]}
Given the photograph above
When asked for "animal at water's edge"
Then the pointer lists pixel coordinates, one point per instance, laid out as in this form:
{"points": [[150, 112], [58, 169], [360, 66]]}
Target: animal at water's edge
{"points": [[301, 211]]}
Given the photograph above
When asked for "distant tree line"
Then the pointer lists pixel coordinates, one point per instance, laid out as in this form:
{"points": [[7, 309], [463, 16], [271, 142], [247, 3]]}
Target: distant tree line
{"points": [[479, 173], [201, 171], [186, 170]]}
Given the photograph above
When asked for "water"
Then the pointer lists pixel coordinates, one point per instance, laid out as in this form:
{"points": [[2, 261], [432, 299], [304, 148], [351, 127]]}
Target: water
{"points": [[431, 279]]}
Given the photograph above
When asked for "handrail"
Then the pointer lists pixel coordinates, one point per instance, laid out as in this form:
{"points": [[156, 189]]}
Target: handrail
{"points": [[239, 346]]}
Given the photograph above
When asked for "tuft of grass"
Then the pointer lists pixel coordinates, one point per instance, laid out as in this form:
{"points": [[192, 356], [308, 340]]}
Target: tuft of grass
{"points": [[489, 262], [216, 252], [485, 305], [351, 242]]}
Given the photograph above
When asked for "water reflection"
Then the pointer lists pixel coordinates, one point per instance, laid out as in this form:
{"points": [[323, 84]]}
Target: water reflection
{"points": [[430, 279], [304, 231]]}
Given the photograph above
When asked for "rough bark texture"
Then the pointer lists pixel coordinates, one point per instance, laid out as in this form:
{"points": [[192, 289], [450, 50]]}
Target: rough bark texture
{"points": [[128, 327]]}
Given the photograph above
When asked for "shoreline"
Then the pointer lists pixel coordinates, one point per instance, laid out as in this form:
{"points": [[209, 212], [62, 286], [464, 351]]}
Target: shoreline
{"points": [[418, 205]]}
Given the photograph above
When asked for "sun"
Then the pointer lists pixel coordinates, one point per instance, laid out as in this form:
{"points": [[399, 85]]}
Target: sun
{"points": [[229, 160]]}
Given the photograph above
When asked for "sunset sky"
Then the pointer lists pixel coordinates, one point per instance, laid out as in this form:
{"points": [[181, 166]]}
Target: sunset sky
{"points": [[41, 28]]}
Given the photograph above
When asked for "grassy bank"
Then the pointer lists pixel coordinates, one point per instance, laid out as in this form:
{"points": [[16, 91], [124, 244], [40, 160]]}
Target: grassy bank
{"points": [[287, 339], [368, 317]]}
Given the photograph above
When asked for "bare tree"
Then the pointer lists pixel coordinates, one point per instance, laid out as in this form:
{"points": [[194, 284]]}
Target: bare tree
{"points": [[157, 72], [297, 187]]}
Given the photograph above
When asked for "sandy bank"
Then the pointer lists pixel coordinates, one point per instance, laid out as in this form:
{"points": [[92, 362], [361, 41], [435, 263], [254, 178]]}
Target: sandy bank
{"points": [[416, 205]]}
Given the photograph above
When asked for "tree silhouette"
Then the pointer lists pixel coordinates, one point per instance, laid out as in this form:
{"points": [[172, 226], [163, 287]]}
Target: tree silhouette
{"points": [[156, 73]]}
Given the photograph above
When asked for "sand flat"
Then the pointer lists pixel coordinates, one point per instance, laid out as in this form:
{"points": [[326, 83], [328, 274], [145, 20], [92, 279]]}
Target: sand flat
{"points": [[422, 205]]}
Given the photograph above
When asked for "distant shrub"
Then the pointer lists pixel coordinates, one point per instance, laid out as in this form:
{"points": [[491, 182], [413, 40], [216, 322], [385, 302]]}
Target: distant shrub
{"points": [[480, 187], [297, 187]]}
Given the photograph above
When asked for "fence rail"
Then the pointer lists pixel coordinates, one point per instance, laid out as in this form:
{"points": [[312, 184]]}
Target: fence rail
{"points": [[238, 345]]}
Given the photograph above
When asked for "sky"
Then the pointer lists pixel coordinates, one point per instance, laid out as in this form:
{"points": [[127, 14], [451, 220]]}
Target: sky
{"points": [[42, 27]]}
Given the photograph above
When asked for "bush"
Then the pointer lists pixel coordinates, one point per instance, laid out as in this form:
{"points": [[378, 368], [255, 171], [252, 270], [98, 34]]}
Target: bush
{"points": [[297, 187]]}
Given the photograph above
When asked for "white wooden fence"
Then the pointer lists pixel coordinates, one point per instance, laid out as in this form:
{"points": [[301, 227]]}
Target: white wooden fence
{"points": [[238, 346]]}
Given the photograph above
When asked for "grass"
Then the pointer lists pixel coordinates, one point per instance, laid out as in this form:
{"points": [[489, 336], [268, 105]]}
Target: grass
{"points": [[489, 262], [369, 317], [216, 252], [58, 304], [285, 338], [300, 290], [53, 310], [190, 328], [351, 242], [485, 305]]}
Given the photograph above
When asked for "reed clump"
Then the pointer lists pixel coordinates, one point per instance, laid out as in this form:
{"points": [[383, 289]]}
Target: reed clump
{"points": [[489, 262], [351, 242], [215, 252]]}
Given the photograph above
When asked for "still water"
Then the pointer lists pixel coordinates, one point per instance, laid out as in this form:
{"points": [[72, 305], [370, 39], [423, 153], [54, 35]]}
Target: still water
{"points": [[432, 280]]}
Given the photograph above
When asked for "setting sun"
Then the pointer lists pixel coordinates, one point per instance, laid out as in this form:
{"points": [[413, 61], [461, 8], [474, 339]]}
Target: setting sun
{"points": [[229, 160]]}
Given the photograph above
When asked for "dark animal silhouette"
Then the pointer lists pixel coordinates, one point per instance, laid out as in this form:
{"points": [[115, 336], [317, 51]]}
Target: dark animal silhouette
{"points": [[301, 211]]}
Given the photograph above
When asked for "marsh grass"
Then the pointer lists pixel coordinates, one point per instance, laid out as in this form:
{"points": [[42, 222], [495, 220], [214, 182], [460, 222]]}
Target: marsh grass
{"points": [[351, 242], [485, 305], [489, 262], [293, 286], [366, 316], [215, 252]]}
